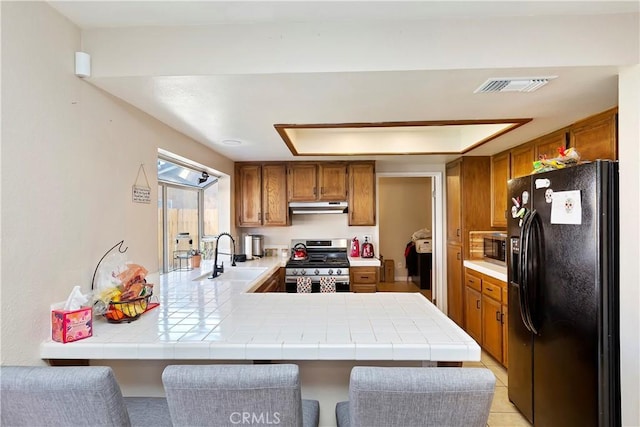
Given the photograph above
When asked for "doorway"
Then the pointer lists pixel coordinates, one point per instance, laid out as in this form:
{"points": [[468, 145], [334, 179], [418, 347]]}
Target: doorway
{"points": [[409, 203]]}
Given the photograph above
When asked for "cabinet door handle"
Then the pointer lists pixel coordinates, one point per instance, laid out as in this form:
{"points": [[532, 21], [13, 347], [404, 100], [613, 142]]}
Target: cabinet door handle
{"points": [[458, 232], [478, 304], [259, 216], [315, 191], [498, 316], [458, 255], [266, 216], [321, 190], [502, 318]]}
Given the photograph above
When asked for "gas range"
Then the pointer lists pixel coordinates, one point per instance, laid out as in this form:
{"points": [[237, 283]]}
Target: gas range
{"points": [[325, 258]]}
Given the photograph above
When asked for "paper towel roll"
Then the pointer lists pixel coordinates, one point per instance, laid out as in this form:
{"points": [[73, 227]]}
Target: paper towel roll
{"points": [[248, 245]]}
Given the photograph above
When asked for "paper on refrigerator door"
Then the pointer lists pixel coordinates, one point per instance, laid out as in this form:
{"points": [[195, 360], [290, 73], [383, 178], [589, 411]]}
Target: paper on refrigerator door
{"points": [[566, 207]]}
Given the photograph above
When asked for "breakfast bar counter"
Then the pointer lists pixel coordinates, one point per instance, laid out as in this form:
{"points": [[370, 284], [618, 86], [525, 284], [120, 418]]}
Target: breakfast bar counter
{"points": [[200, 320], [221, 319]]}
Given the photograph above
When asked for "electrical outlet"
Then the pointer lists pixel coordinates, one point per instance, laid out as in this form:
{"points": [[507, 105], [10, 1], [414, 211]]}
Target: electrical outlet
{"points": [[367, 237]]}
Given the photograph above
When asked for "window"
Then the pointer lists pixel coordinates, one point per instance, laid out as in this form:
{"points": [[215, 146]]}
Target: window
{"points": [[187, 203]]}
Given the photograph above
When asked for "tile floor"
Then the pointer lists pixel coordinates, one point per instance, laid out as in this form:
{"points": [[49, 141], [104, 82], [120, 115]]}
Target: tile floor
{"points": [[503, 412]]}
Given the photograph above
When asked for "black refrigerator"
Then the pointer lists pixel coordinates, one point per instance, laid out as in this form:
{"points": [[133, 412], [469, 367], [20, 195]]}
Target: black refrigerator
{"points": [[563, 292]]}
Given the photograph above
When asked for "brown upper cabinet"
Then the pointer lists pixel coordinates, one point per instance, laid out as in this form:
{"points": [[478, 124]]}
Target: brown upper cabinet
{"points": [[362, 193], [317, 181], [522, 160], [261, 195], [500, 173], [548, 145], [454, 213], [596, 137], [523, 156], [468, 195]]}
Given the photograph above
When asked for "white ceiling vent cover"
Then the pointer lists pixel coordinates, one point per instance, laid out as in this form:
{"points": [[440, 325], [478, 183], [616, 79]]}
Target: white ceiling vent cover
{"points": [[513, 84]]}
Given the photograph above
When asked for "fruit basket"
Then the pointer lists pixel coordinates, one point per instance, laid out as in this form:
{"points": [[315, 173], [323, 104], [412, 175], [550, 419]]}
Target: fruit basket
{"points": [[127, 311], [120, 289]]}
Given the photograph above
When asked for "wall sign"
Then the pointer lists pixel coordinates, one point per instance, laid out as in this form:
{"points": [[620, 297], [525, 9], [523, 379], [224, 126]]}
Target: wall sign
{"points": [[141, 193]]}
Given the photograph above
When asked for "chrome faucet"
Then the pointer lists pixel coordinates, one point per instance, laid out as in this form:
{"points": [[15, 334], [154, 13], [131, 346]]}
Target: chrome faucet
{"points": [[219, 269]]}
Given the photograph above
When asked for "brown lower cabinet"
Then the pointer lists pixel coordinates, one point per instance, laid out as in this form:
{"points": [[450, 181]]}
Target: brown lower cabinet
{"points": [[275, 282], [486, 313], [473, 318], [363, 279]]}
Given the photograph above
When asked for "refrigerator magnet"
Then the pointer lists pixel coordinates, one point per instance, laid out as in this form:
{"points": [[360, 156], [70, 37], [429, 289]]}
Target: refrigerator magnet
{"points": [[525, 197], [542, 183], [548, 195], [566, 207]]}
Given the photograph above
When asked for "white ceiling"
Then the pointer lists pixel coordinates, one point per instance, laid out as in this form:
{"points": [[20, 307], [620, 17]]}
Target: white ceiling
{"points": [[219, 71]]}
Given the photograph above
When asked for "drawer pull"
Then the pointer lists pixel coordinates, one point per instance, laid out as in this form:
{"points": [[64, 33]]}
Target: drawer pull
{"points": [[489, 289], [365, 277]]}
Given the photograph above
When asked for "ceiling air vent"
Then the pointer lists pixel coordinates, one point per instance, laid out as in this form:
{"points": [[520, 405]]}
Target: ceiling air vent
{"points": [[513, 84]]}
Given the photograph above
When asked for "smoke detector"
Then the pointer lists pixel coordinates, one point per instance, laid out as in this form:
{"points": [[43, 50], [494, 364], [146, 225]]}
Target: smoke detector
{"points": [[517, 84]]}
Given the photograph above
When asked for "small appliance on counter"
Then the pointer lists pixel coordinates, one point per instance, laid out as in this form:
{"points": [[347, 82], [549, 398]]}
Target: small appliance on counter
{"points": [[367, 248], [257, 247], [253, 246], [355, 248]]}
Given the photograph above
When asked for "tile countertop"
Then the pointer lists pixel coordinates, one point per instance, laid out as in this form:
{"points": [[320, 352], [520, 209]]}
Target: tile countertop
{"points": [[221, 319], [496, 271], [364, 262]]}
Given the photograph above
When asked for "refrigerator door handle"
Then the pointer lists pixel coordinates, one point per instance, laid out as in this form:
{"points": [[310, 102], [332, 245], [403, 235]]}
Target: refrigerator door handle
{"points": [[533, 294], [531, 250], [522, 266]]}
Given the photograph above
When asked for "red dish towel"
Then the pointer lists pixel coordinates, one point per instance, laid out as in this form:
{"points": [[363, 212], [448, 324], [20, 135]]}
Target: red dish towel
{"points": [[303, 285], [327, 284]]}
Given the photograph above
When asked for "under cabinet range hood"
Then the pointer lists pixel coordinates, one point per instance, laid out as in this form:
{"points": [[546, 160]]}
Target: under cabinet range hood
{"points": [[318, 207]]}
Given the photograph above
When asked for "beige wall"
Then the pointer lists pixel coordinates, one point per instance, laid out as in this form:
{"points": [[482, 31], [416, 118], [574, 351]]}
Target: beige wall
{"points": [[405, 206], [629, 137], [70, 154]]}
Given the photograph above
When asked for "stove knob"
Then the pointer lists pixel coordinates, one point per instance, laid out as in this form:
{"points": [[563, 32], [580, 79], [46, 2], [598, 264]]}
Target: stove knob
{"points": [[330, 271], [316, 272], [294, 272], [303, 272], [339, 272]]}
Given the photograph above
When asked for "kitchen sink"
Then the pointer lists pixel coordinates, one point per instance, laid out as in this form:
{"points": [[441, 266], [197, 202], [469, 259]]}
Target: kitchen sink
{"points": [[235, 273]]}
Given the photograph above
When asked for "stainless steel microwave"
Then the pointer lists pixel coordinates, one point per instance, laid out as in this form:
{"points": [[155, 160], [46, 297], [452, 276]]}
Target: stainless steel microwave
{"points": [[495, 248]]}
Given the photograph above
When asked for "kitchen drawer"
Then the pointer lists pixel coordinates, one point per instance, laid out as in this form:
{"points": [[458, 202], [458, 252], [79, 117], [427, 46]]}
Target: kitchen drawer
{"points": [[492, 290], [365, 275], [473, 281], [359, 287]]}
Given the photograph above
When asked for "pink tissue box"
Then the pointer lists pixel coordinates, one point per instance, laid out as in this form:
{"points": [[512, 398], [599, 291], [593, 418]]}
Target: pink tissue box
{"points": [[69, 326]]}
